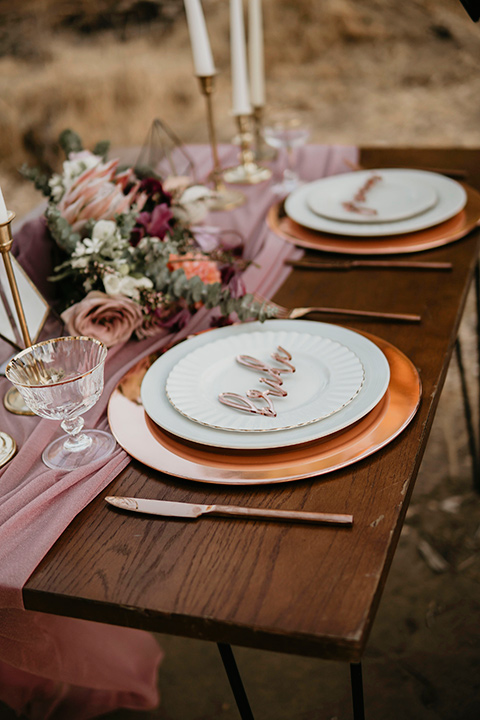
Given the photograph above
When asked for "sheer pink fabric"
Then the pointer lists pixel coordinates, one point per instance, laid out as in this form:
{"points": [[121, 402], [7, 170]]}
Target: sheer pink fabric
{"points": [[57, 667]]}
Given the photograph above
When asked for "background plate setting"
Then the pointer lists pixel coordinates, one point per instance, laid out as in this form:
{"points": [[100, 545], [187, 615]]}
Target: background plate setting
{"points": [[447, 232], [394, 195], [160, 410], [451, 195], [327, 376]]}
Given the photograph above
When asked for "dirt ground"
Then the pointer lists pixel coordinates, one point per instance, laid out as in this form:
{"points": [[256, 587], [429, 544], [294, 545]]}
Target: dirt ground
{"points": [[366, 72]]}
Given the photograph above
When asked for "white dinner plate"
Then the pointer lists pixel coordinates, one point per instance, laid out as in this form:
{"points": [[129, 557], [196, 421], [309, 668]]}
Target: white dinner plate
{"points": [[390, 196], [161, 411], [451, 199], [327, 377]]}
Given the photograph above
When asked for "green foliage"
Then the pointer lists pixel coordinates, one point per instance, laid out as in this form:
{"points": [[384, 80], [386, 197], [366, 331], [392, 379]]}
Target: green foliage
{"points": [[61, 230], [70, 141], [39, 179], [102, 148], [125, 223], [192, 290]]}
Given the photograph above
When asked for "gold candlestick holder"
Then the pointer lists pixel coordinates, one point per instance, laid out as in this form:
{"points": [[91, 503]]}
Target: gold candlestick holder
{"points": [[6, 241], [263, 151], [248, 172], [12, 400], [225, 199]]}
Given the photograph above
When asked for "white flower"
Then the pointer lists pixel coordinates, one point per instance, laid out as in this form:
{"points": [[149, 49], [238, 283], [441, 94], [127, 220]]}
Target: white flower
{"points": [[193, 204], [104, 230], [93, 245], [57, 187], [72, 169], [176, 183], [80, 250], [127, 285], [79, 262], [77, 163]]}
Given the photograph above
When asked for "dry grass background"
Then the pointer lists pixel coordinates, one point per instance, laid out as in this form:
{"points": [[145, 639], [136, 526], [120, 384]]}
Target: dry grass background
{"points": [[366, 71]]}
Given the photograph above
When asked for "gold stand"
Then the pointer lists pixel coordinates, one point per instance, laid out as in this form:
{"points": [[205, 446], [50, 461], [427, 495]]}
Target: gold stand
{"points": [[12, 399], [248, 172], [224, 199], [262, 150]]}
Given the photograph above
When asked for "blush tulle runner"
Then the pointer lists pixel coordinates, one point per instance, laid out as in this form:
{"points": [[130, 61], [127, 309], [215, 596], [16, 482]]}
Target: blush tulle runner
{"points": [[59, 667]]}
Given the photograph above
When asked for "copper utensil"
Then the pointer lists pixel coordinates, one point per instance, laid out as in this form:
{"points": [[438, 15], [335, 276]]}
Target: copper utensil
{"points": [[284, 313], [191, 511], [309, 264]]}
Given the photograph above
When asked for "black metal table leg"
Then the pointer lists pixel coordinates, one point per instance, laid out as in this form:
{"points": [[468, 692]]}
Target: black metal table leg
{"points": [[357, 691], [235, 681], [472, 444]]}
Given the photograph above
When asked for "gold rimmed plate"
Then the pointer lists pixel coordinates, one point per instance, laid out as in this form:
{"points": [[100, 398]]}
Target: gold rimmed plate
{"points": [[156, 448]]}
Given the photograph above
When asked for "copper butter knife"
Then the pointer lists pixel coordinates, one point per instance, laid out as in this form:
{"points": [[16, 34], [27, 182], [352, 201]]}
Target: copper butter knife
{"points": [[166, 508]]}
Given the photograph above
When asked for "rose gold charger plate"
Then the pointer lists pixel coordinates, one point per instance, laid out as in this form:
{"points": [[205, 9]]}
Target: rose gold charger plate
{"points": [[156, 448], [443, 234]]}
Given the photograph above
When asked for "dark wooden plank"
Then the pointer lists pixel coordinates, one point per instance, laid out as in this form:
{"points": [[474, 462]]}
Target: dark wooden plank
{"points": [[306, 590]]}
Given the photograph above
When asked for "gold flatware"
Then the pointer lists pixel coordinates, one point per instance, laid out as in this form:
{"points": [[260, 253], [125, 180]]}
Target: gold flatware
{"points": [[284, 313], [380, 264]]}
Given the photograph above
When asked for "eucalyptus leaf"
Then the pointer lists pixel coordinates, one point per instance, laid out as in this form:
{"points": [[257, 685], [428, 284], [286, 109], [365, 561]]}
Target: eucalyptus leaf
{"points": [[70, 142], [102, 148], [39, 179]]}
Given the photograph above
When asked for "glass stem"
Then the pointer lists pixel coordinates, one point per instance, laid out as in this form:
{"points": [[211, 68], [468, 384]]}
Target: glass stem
{"points": [[76, 440], [289, 173]]}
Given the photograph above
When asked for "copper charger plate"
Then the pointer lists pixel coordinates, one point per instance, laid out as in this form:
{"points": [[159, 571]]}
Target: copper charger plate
{"points": [[154, 447], [436, 236]]}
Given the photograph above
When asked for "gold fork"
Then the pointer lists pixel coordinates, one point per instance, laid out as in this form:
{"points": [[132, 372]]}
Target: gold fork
{"points": [[284, 313]]}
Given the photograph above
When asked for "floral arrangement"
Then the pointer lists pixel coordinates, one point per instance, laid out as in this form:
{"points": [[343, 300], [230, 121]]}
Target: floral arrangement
{"points": [[133, 259]]}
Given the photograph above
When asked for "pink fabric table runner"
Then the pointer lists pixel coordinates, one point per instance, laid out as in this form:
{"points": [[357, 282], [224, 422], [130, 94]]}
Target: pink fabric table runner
{"points": [[63, 667]]}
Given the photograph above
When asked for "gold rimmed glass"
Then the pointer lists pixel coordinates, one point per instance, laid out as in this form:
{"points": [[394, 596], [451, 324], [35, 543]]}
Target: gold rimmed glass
{"points": [[61, 379]]}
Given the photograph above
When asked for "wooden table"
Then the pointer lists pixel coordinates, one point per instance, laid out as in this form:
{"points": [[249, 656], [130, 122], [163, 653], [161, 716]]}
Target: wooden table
{"points": [[288, 588]]}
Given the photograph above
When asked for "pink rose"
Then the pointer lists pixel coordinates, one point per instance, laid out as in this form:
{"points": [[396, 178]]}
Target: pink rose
{"points": [[109, 318]]}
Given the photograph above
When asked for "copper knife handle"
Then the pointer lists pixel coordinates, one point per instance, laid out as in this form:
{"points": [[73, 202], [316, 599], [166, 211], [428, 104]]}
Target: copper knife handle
{"points": [[382, 264], [286, 515]]}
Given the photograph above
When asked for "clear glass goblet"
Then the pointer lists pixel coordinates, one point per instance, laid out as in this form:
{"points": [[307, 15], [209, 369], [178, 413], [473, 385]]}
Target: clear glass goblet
{"points": [[287, 131], [61, 379]]}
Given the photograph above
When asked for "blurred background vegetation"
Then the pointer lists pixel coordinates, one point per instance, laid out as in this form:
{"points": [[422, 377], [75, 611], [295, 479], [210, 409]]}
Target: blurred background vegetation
{"points": [[364, 71]]}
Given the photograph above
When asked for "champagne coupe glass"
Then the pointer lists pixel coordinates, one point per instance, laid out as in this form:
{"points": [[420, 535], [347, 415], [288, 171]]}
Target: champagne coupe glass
{"points": [[61, 379], [286, 130]]}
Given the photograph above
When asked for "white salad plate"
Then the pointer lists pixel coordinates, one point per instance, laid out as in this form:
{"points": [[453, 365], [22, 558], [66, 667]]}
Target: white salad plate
{"points": [[389, 196], [161, 411], [451, 199], [327, 377]]}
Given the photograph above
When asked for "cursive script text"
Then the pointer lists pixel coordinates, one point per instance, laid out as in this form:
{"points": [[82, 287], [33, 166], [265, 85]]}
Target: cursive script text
{"points": [[273, 381]]}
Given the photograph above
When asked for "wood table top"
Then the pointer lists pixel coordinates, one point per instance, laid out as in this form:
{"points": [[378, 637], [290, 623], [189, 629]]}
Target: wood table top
{"points": [[289, 588]]}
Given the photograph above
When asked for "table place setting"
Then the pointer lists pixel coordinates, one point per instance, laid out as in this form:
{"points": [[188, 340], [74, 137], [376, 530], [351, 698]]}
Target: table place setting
{"points": [[380, 211], [349, 396]]}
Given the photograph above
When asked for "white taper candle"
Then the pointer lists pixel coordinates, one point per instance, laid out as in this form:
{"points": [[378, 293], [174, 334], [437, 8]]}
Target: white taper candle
{"points": [[3, 209], [202, 53], [241, 96], [256, 53]]}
